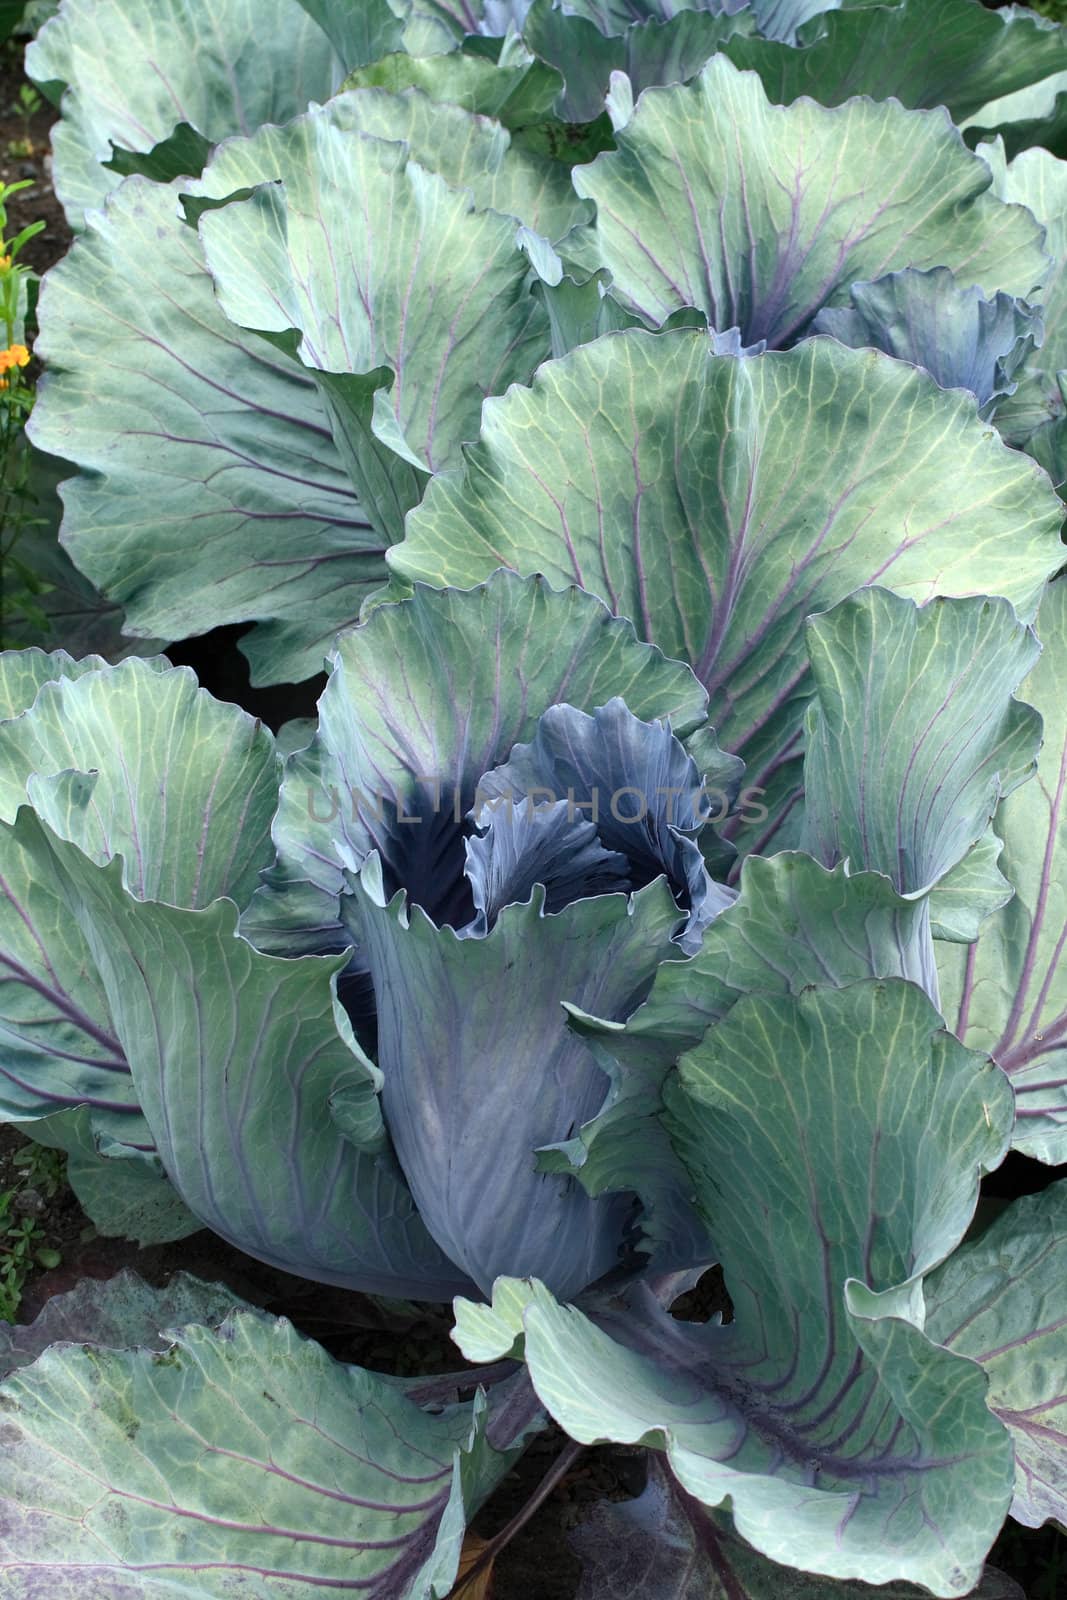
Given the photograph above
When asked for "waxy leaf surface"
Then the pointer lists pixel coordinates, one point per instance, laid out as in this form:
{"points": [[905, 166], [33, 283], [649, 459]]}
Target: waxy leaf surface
{"points": [[1037, 180], [480, 1070], [963, 339], [137, 68], [134, 761], [718, 501], [835, 1142], [264, 1112], [1002, 1301], [669, 46], [1008, 993], [404, 327], [924, 53], [759, 215], [210, 490], [915, 738], [245, 1463]]}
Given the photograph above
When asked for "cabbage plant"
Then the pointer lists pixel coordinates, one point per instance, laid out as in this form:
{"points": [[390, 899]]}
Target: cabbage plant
{"points": [[652, 416]]}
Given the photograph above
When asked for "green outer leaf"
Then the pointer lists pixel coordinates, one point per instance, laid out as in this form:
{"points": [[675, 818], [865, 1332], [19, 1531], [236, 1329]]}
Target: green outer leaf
{"points": [[665, 1546], [517, 94], [440, 687], [23, 673], [469, 152], [580, 310], [157, 397], [943, 1114], [136, 68], [239, 1060], [720, 501], [970, 892], [1036, 179], [835, 1142], [924, 53], [241, 1463], [805, 201], [58, 1048], [916, 736], [1002, 1301], [1048, 446], [1034, 116], [129, 1199], [440, 297], [1008, 993], [279, 530], [656, 51], [359, 30], [794, 925], [54, 1009], [494, 1332], [780, 19], [134, 761], [129, 760], [940, 703], [1037, 100], [390, 478], [121, 1312], [296, 734], [615, 16], [569, 144]]}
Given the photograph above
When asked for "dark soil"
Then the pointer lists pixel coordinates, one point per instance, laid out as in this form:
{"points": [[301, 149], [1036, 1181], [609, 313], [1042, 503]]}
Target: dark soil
{"points": [[538, 1564]]}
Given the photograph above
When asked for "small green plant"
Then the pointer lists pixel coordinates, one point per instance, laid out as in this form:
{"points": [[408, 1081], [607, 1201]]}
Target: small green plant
{"points": [[22, 1239], [19, 585], [40, 1169], [26, 106]]}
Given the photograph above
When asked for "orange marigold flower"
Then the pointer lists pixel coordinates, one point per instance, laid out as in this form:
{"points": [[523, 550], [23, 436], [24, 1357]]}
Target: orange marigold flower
{"points": [[16, 355]]}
